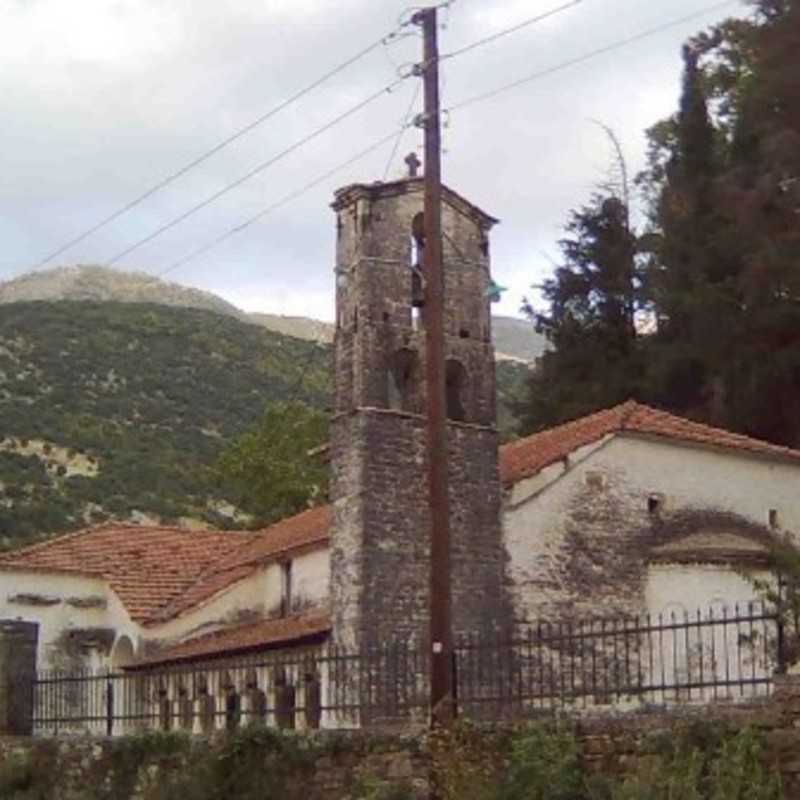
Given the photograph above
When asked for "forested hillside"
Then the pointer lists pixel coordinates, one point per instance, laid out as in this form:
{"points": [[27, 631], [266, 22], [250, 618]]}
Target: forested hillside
{"points": [[107, 409]]}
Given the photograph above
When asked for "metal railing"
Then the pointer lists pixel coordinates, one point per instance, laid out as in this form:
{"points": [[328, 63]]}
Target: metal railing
{"points": [[723, 654], [632, 662], [321, 687]]}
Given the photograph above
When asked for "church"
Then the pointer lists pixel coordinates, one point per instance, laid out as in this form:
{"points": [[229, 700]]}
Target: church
{"points": [[627, 512]]}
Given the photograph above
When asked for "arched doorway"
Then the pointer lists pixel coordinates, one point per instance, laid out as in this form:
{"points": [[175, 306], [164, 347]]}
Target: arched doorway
{"points": [[122, 654]]}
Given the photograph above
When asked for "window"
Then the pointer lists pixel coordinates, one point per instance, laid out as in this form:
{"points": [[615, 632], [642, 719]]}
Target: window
{"points": [[286, 588], [185, 708], [774, 520], [257, 698], [455, 385], [284, 701], [206, 706], [313, 698], [418, 240], [164, 708], [417, 265], [233, 708], [655, 503]]}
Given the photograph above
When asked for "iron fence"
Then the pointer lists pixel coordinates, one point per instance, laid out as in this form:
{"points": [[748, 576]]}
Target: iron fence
{"points": [[718, 654], [320, 687]]}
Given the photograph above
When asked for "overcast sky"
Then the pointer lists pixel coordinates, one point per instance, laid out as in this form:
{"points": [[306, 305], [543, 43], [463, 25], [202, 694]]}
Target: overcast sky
{"points": [[101, 99]]}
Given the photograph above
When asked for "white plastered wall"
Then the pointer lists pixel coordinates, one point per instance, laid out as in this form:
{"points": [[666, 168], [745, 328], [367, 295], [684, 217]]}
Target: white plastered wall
{"points": [[682, 589], [598, 501], [63, 595], [258, 595]]}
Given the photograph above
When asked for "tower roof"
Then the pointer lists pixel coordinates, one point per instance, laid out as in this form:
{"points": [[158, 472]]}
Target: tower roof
{"points": [[378, 190]]}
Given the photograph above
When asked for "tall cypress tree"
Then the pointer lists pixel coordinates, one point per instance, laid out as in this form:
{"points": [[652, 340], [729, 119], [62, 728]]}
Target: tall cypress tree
{"points": [[590, 304], [694, 264], [762, 195]]}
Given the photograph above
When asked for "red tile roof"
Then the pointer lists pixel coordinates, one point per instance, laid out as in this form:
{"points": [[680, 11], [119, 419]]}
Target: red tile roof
{"points": [[244, 638], [301, 532], [148, 567], [526, 457]]}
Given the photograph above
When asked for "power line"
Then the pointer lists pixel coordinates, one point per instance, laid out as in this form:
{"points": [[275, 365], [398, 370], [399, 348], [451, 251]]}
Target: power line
{"points": [[586, 56], [278, 204], [253, 172], [220, 146], [500, 34], [402, 130]]}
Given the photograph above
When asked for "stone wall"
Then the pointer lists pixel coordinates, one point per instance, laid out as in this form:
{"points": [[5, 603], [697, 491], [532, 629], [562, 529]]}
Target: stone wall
{"points": [[362, 765], [167, 766], [379, 553]]}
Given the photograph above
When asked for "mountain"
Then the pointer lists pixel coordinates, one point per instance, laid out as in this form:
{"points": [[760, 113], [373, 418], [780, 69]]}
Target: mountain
{"points": [[312, 330], [120, 410], [514, 338], [517, 338], [92, 282]]}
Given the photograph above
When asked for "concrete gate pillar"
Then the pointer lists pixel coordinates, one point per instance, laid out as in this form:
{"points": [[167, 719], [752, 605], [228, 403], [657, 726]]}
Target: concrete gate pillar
{"points": [[18, 641]]}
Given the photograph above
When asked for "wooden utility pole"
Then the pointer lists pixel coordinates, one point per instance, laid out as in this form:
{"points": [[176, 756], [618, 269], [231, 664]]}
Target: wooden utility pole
{"points": [[441, 674]]}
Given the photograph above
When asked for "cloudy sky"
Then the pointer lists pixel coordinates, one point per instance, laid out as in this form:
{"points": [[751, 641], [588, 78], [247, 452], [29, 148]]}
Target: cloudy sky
{"points": [[102, 99]]}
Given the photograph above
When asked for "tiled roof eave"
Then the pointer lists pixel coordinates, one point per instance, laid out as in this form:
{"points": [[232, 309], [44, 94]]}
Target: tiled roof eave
{"points": [[53, 570], [303, 640], [269, 634], [756, 450]]}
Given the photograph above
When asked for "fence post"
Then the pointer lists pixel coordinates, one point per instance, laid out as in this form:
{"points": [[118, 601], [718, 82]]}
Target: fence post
{"points": [[454, 678], [18, 642], [109, 705]]}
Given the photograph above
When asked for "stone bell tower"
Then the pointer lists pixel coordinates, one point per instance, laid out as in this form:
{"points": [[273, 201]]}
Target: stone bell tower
{"points": [[381, 529]]}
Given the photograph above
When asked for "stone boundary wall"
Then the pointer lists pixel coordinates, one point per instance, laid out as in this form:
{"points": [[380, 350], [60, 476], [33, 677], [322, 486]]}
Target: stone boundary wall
{"points": [[348, 766], [363, 765]]}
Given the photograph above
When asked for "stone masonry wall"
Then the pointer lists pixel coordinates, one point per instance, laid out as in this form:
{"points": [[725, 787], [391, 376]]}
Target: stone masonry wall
{"points": [[353, 766], [382, 514]]}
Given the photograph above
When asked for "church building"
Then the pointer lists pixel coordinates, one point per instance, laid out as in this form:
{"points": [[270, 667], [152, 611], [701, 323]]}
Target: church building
{"points": [[629, 511]]}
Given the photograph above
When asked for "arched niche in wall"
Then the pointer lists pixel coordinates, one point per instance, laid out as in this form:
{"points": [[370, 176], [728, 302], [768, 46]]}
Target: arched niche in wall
{"points": [[402, 379], [706, 571], [455, 390], [122, 654]]}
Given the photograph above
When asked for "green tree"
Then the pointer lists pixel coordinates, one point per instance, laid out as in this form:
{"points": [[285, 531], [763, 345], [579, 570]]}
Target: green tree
{"points": [[591, 303], [273, 469], [691, 274], [724, 198]]}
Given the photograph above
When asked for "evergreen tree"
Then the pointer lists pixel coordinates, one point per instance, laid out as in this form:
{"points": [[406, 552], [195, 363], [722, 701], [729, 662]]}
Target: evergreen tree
{"points": [[694, 262], [763, 197], [589, 320], [721, 278]]}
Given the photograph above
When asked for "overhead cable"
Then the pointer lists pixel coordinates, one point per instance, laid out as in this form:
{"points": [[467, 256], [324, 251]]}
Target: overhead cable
{"points": [[278, 204], [592, 54], [220, 146], [500, 34], [403, 128], [253, 172]]}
